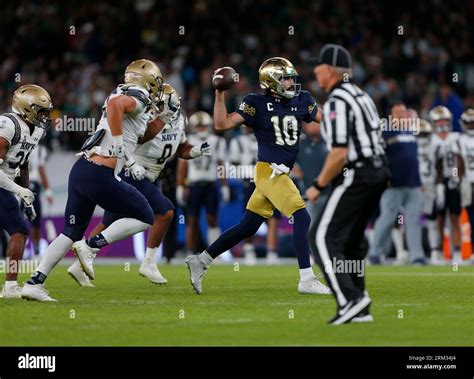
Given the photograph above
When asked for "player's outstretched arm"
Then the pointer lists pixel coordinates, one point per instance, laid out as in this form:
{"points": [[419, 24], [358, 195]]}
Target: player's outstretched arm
{"points": [[222, 120]]}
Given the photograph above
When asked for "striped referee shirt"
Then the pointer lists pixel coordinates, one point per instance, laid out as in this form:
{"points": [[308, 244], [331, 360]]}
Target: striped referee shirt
{"points": [[350, 119]]}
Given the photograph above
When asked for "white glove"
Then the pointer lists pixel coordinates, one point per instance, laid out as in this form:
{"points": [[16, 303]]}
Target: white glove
{"points": [[138, 172], [29, 212], [170, 108], [118, 150], [26, 196], [278, 169], [466, 193], [180, 196], [225, 193], [440, 196], [197, 151], [49, 196]]}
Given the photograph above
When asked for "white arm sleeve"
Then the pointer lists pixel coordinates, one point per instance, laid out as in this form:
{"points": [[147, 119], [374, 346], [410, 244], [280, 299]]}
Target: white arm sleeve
{"points": [[8, 184], [7, 129]]}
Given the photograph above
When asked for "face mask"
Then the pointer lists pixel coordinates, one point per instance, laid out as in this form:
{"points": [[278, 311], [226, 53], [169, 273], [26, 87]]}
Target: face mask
{"points": [[202, 134]]}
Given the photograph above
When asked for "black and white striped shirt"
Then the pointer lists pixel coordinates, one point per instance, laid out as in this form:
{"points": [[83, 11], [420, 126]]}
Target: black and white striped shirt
{"points": [[350, 119]]}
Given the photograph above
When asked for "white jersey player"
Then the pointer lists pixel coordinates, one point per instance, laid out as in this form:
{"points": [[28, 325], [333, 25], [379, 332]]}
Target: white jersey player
{"points": [[466, 147], [93, 181], [201, 180], [450, 167], [20, 133], [150, 158]]}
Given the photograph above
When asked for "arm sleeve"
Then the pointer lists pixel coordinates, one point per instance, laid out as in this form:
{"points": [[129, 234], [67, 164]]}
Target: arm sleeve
{"points": [[312, 110], [336, 117], [234, 150], [248, 109], [7, 129]]}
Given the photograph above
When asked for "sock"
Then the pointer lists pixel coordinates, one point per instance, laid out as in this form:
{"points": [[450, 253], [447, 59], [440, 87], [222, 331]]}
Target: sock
{"points": [[300, 237], [37, 278], [212, 235], [54, 253], [206, 258], [306, 273], [150, 254], [433, 235], [123, 228], [397, 238], [97, 242], [249, 248], [247, 227], [10, 283]]}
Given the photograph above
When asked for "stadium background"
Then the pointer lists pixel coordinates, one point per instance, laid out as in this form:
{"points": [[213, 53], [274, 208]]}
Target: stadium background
{"points": [[78, 52]]}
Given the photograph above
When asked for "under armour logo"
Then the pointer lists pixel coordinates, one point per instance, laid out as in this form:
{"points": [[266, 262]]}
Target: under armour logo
{"points": [[293, 109]]}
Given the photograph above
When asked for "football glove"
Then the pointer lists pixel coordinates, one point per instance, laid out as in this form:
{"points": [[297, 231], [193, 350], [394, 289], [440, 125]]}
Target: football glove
{"points": [[118, 149], [225, 193], [29, 212], [180, 196], [137, 172], [440, 196], [197, 151]]}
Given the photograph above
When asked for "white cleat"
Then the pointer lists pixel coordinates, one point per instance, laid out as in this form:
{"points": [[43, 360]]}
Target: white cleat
{"points": [[86, 255], [75, 271], [437, 258], [35, 292], [197, 269], [272, 258], [313, 286], [11, 292], [250, 258], [364, 318], [150, 270]]}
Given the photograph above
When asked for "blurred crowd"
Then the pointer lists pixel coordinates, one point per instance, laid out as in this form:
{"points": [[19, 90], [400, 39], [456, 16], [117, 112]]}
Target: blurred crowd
{"points": [[78, 50]]}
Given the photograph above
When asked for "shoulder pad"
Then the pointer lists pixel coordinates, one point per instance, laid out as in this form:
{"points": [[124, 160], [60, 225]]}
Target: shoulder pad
{"points": [[17, 135], [137, 93]]}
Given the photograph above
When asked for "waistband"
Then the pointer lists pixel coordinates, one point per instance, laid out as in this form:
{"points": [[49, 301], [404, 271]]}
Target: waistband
{"points": [[377, 161]]}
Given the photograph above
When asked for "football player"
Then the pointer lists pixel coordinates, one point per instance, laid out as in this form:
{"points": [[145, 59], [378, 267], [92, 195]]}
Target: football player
{"points": [[429, 152], [20, 133], [93, 181], [276, 117], [466, 145], [38, 182], [243, 151], [150, 158], [199, 179], [450, 165]]}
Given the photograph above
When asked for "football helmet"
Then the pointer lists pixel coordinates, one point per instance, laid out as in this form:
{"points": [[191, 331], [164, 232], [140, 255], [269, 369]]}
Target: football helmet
{"points": [[33, 103], [426, 130], [170, 105], [145, 74], [467, 121], [271, 74], [201, 122]]}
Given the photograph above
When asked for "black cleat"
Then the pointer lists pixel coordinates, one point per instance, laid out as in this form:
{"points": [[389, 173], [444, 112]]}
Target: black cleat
{"points": [[352, 309]]}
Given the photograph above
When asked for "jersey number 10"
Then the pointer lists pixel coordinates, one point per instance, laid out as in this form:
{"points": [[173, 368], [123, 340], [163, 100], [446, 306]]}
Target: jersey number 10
{"points": [[286, 132]]}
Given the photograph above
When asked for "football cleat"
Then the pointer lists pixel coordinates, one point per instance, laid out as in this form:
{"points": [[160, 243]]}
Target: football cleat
{"points": [[272, 258], [11, 292], [363, 316], [197, 268], [313, 286], [35, 292], [350, 310], [86, 255], [150, 270], [75, 271], [250, 258]]}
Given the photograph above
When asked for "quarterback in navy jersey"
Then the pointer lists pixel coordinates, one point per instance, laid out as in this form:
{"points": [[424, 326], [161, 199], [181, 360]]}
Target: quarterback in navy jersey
{"points": [[276, 117]]}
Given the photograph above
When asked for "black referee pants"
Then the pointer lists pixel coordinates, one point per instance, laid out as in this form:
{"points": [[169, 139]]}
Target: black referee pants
{"points": [[337, 236]]}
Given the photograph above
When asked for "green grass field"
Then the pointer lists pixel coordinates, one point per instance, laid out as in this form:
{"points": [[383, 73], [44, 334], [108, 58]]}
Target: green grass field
{"points": [[254, 306]]}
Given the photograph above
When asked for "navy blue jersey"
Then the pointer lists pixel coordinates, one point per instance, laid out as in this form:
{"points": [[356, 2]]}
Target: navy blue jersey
{"points": [[277, 124]]}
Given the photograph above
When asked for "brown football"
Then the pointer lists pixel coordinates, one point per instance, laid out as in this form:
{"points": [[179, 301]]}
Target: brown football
{"points": [[224, 78]]}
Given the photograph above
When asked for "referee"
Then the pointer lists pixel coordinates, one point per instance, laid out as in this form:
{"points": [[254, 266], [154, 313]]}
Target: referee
{"points": [[356, 173]]}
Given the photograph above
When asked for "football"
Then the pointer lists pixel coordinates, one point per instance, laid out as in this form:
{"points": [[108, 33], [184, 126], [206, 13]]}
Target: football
{"points": [[224, 78]]}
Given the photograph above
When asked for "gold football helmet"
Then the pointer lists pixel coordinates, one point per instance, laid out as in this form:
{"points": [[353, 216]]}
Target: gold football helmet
{"points": [[442, 118], [201, 119], [467, 121], [146, 74], [271, 74], [425, 132], [33, 103], [170, 104]]}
